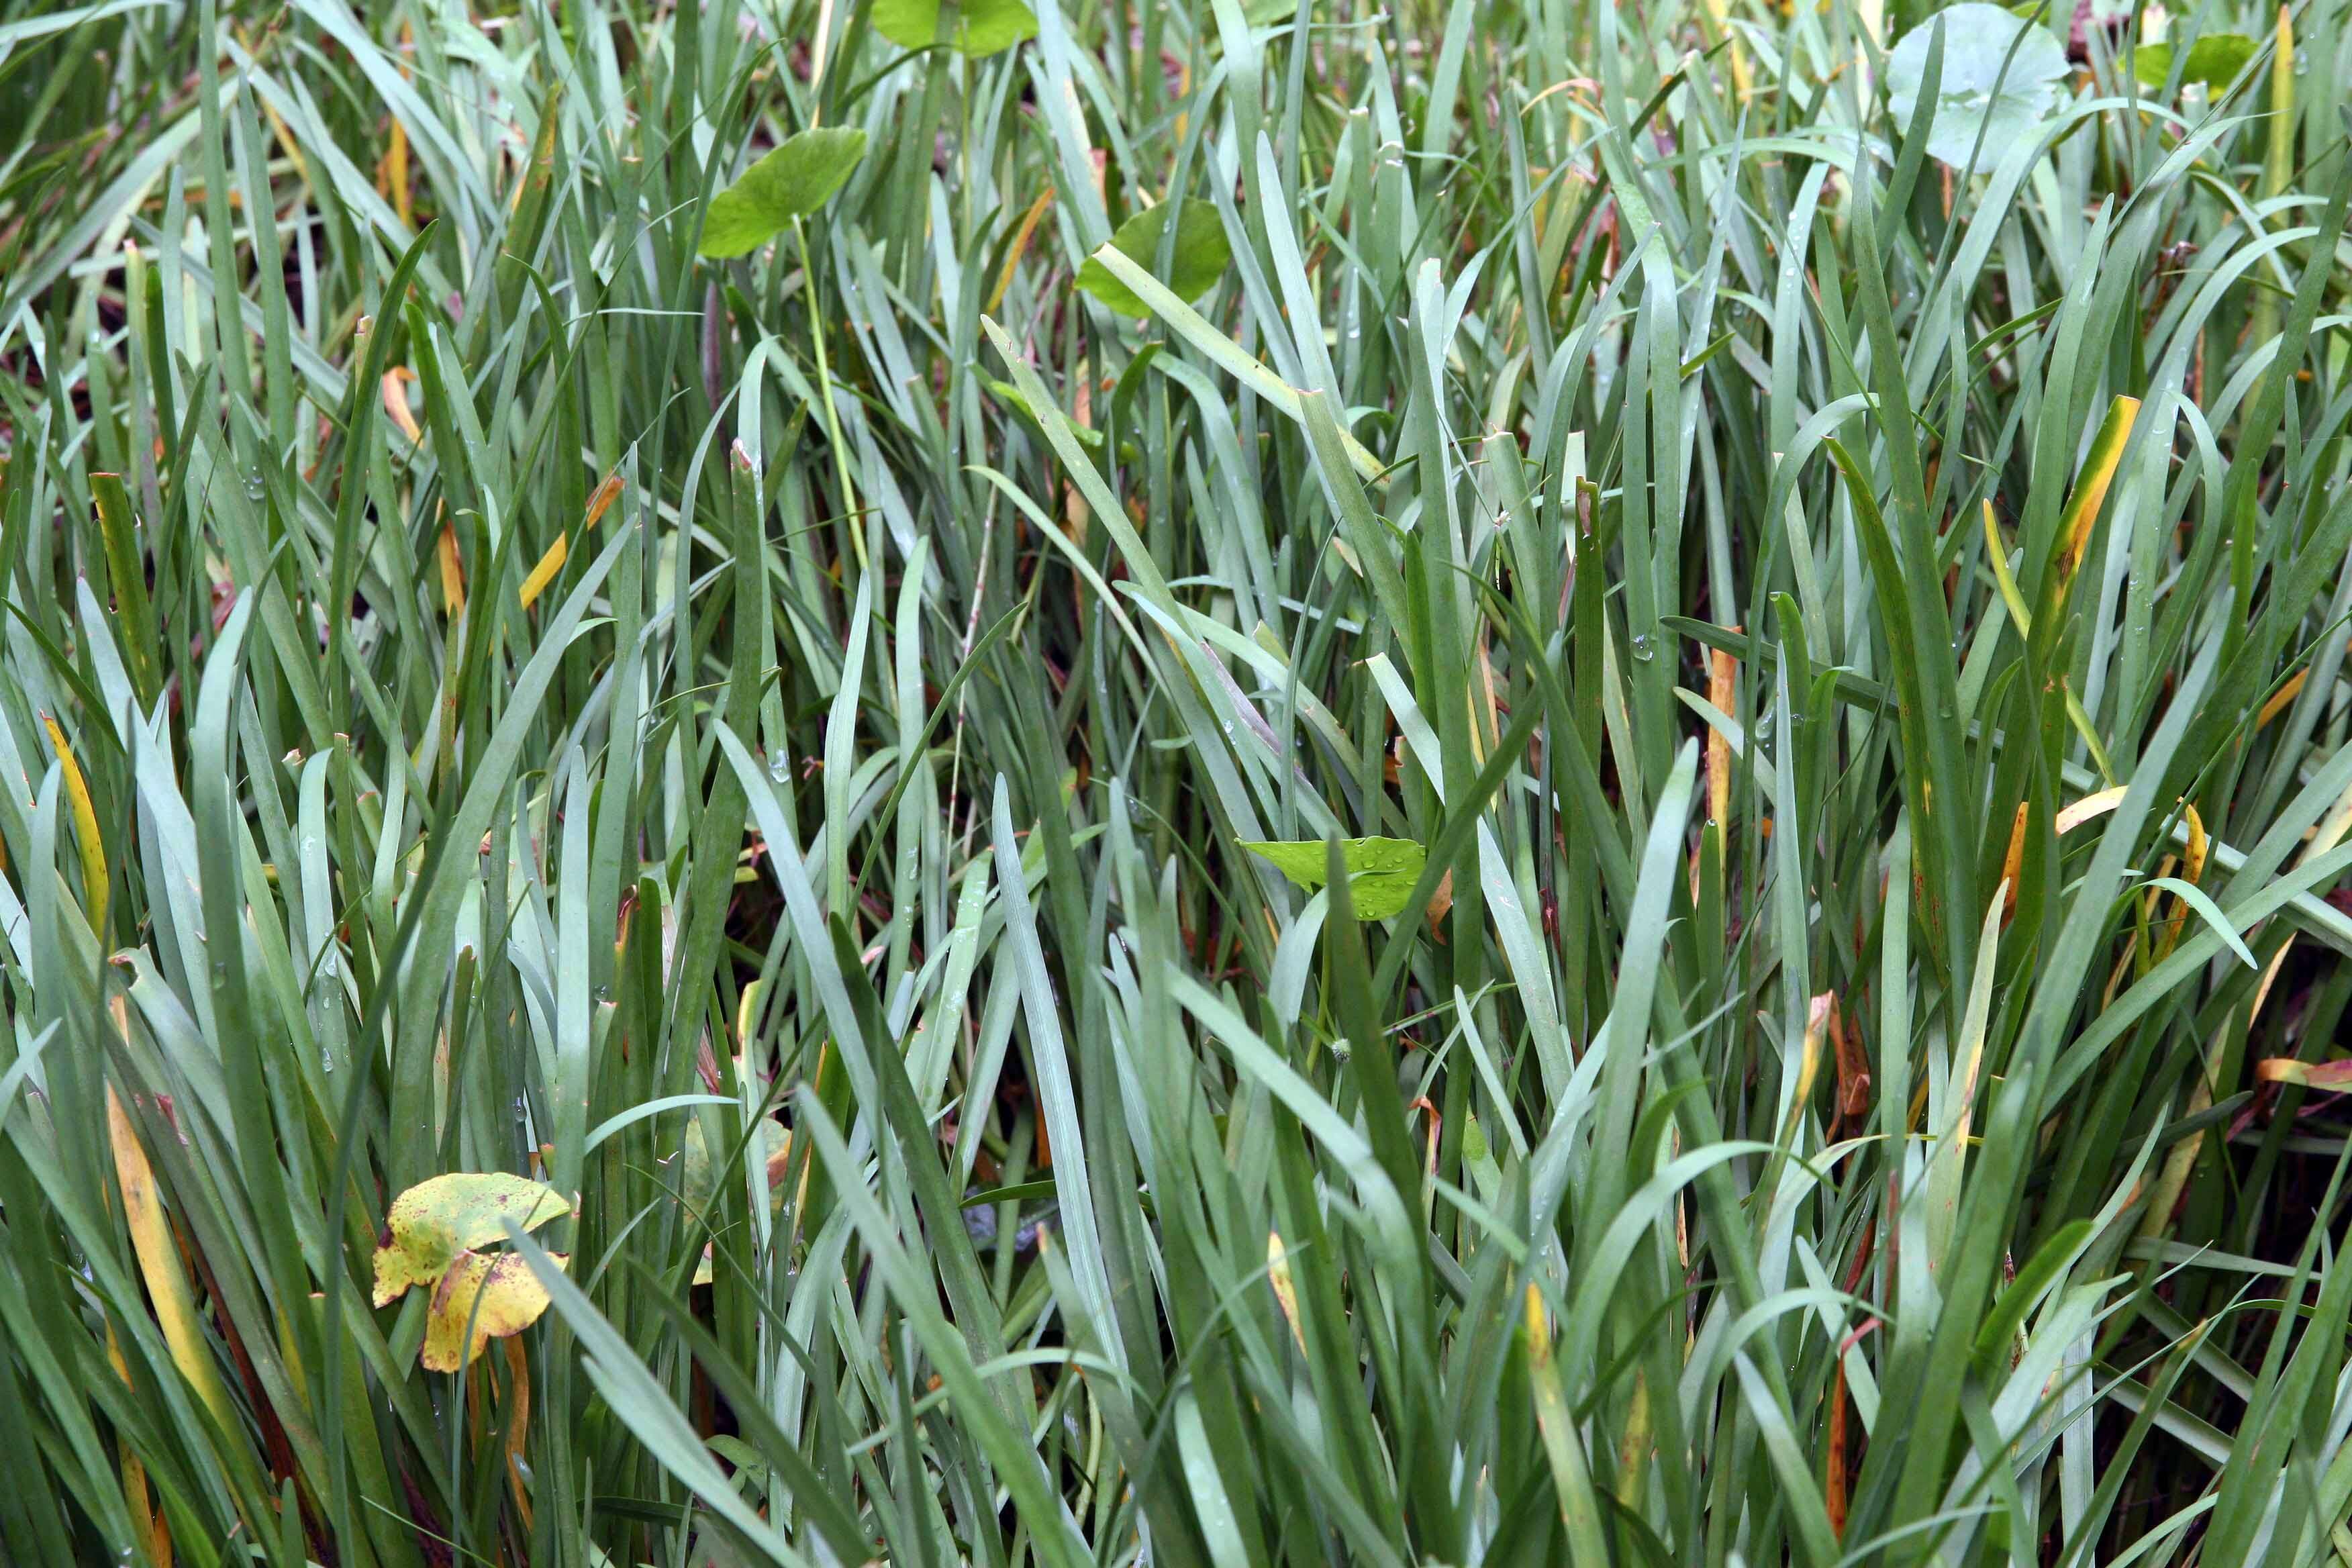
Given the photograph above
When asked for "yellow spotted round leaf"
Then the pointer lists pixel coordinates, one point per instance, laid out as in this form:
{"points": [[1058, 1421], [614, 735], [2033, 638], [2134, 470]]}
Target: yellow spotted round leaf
{"points": [[437, 1222], [496, 1294]]}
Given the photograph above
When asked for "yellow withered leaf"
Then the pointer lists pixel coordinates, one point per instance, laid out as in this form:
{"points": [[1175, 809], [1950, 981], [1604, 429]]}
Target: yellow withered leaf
{"points": [[2088, 807], [2330, 1077], [159, 1262], [395, 402], [437, 1223], [85, 821], [495, 1294], [2284, 696], [601, 501], [1285, 1293], [452, 572], [557, 553], [1019, 244], [544, 573], [2091, 486]]}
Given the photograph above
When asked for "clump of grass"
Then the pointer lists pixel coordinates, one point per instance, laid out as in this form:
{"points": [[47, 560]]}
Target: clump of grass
{"points": [[1834, 1061]]}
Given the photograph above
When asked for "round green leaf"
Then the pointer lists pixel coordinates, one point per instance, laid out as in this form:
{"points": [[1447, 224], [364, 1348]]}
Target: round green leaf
{"points": [[793, 181], [700, 1181], [437, 1222], [1983, 85], [1202, 254], [2214, 62], [973, 26], [1474, 1142], [1382, 872]]}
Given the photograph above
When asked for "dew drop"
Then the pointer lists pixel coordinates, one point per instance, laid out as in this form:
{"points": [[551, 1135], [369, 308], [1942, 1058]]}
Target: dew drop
{"points": [[1642, 648], [780, 767]]}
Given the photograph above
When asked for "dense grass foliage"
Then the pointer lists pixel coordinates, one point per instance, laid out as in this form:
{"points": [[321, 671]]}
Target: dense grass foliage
{"points": [[1847, 639]]}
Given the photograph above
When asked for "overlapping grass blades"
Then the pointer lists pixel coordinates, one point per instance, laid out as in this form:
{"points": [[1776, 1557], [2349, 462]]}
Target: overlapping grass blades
{"points": [[484, 688]]}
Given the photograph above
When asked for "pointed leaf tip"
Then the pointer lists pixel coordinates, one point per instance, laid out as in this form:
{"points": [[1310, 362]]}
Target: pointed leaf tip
{"points": [[794, 180], [1202, 254], [1382, 872]]}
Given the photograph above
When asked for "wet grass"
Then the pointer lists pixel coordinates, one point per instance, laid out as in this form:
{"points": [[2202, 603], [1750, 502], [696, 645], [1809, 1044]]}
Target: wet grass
{"points": [[1843, 1070]]}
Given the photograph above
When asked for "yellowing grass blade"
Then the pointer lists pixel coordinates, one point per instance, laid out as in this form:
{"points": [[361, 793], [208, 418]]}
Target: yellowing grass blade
{"points": [[153, 1533], [601, 501], [395, 402], [453, 573], [1285, 1292], [85, 821], [1580, 1506], [2088, 807], [2284, 696], [1020, 247], [2333, 1077], [2192, 869], [2011, 600], [2182, 1157], [159, 1263], [1721, 689], [2091, 488], [559, 552], [2012, 865], [544, 573]]}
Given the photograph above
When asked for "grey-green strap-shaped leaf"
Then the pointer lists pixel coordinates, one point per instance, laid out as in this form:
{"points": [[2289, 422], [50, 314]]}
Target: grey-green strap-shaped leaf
{"points": [[1004, 391], [1200, 256], [637, 1397], [973, 26], [2197, 899], [793, 181]]}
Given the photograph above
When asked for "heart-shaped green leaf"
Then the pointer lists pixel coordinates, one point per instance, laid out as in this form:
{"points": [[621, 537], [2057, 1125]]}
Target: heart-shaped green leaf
{"points": [[1201, 255], [1382, 872], [699, 1183], [2214, 62], [793, 181], [2001, 76], [973, 26]]}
